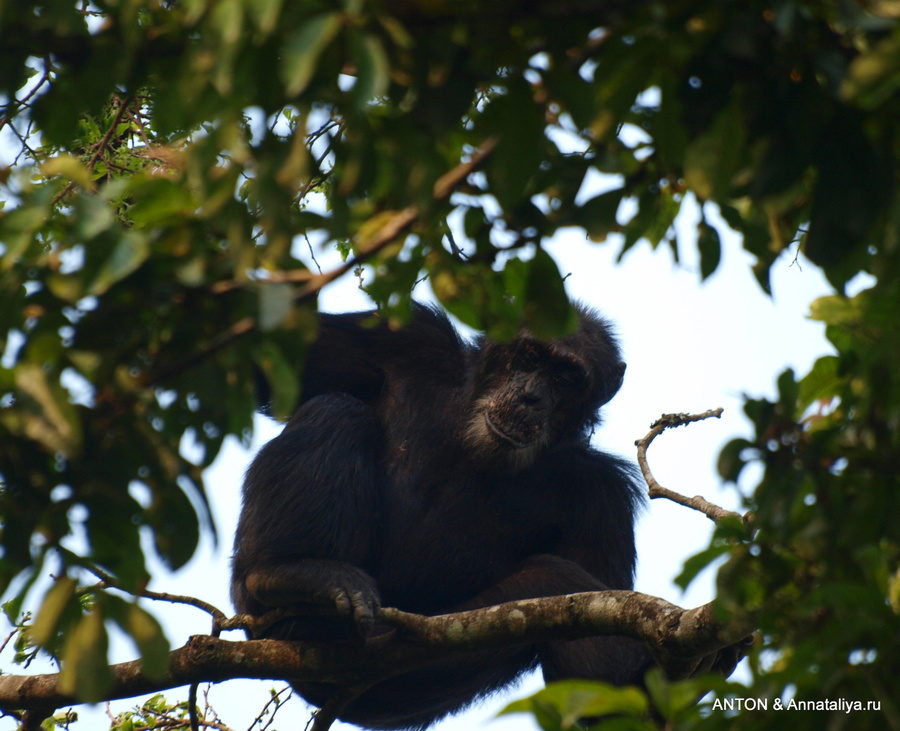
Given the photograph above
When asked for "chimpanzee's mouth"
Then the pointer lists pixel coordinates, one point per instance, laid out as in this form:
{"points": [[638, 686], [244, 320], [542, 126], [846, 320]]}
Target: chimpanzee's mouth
{"points": [[502, 435]]}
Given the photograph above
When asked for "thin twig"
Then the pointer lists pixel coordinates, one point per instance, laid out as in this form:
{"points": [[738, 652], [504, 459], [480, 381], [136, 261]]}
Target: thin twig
{"points": [[108, 581], [655, 490], [142, 130], [9, 637], [396, 225], [98, 148], [275, 702], [312, 253]]}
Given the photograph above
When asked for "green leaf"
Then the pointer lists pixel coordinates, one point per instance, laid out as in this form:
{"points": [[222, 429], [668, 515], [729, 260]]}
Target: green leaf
{"points": [[92, 217], [712, 160], [822, 382], [143, 628], [158, 201], [68, 167], [282, 378], [547, 311], [85, 673], [59, 598], [176, 530], [518, 124], [710, 249], [16, 537], [129, 253], [17, 231], [561, 704], [669, 698], [265, 13], [669, 135], [302, 50], [227, 17], [696, 563], [574, 92], [788, 388], [67, 287], [113, 530], [597, 216], [372, 70], [873, 77], [46, 414], [854, 183], [836, 310], [730, 461], [276, 302]]}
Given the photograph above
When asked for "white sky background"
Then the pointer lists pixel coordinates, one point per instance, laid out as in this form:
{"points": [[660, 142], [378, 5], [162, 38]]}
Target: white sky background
{"points": [[689, 347]]}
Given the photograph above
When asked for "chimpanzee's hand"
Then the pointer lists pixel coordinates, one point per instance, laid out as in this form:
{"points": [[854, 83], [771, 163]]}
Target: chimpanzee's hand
{"points": [[329, 587], [722, 661], [725, 660]]}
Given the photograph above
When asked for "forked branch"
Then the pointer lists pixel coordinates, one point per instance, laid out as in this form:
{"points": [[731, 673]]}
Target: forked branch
{"points": [[655, 490]]}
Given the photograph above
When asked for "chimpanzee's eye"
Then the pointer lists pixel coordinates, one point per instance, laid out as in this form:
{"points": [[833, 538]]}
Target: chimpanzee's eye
{"points": [[568, 376]]}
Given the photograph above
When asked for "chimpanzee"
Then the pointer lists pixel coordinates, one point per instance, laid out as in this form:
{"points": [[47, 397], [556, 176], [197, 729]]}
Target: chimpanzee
{"points": [[432, 474]]}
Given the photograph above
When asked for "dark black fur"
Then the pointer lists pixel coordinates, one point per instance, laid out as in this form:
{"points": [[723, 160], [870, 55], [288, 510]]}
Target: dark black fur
{"points": [[432, 475]]}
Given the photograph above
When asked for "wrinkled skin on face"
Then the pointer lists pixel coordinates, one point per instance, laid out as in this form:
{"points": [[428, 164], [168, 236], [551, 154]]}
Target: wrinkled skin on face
{"points": [[527, 395]]}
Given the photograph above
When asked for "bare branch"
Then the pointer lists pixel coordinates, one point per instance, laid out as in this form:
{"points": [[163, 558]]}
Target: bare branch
{"points": [[448, 182], [390, 230], [655, 490]]}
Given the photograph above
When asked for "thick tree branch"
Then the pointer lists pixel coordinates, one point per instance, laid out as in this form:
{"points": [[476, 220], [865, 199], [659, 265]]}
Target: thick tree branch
{"points": [[677, 638]]}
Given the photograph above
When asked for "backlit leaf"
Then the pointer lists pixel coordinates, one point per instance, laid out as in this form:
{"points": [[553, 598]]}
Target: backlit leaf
{"points": [[52, 608], [85, 672], [129, 253], [303, 48]]}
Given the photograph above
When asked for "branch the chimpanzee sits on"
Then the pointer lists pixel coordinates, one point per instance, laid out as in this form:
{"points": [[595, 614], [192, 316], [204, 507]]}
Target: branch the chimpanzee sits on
{"points": [[434, 475]]}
